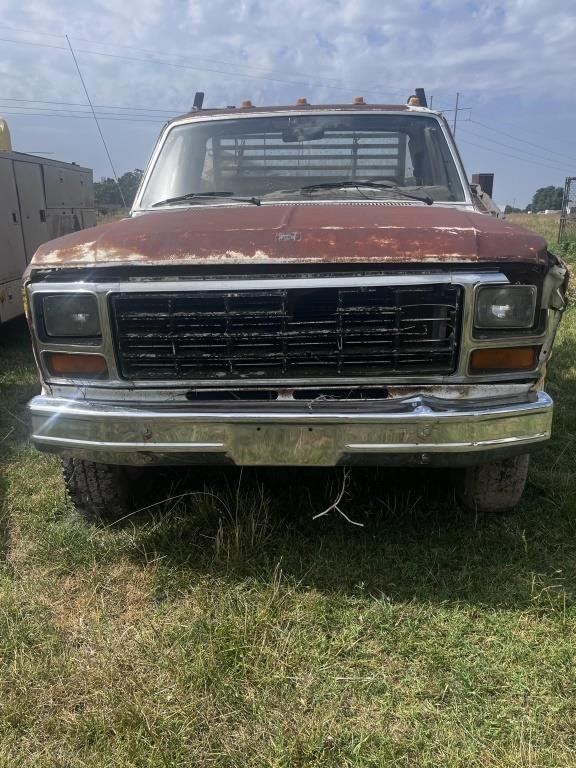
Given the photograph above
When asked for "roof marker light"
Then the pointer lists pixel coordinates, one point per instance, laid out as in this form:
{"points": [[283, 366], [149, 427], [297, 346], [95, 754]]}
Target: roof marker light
{"points": [[302, 102]]}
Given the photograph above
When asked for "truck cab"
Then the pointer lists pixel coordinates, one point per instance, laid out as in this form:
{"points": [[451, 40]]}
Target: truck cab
{"points": [[297, 285]]}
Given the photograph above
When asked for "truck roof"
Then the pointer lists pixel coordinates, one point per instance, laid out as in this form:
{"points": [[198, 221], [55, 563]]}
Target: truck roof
{"points": [[26, 157], [300, 109]]}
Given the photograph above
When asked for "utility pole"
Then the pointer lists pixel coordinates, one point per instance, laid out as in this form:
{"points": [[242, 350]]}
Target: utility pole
{"points": [[455, 114]]}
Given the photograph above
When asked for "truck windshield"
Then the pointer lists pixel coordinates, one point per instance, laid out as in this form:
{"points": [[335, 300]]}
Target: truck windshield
{"points": [[276, 157]]}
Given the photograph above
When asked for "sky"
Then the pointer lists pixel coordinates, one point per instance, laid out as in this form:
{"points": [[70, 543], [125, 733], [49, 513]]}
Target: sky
{"points": [[513, 63]]}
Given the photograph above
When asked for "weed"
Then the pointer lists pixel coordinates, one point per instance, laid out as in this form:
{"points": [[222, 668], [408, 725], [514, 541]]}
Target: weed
{"points": [[225, 627]]}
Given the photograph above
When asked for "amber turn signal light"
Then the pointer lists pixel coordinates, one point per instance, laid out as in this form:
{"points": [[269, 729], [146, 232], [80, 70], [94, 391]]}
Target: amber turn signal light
{"points": [[503, 359], [76, 365]]}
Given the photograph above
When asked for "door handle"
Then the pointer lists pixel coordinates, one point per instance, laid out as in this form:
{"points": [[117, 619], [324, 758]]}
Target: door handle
{"points": [[14, 217]]}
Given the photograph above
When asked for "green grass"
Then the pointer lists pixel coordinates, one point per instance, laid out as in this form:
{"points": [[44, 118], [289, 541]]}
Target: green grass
{"points": [[545, 224], [232, 630]]}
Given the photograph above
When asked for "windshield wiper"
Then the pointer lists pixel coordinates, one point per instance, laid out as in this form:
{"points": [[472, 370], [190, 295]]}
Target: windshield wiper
{"points": [[371, 184], [191, 196]]}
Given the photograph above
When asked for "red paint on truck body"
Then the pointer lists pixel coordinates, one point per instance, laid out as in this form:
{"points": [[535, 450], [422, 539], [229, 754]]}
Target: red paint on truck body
{"points": [[330, 232]]}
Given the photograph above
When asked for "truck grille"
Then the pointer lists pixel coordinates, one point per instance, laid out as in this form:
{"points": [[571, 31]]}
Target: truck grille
{"points": [[287, 333]]}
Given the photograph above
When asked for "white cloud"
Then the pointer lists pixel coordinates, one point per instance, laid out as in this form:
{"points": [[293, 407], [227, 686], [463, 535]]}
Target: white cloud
{"points": [[511, 52], [385, 48]]}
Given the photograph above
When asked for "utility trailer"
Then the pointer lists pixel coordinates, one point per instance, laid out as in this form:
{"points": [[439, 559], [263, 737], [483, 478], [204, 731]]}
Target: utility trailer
{"points": [[40, 199]]}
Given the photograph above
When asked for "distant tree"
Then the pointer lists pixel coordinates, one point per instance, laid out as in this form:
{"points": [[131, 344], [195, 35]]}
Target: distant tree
{"points": [[511, 209], [106, 190], [130, 182], [546, 198]]}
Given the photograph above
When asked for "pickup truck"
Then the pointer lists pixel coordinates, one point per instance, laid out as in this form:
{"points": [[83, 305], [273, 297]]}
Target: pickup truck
{"points": [[296, 285]]}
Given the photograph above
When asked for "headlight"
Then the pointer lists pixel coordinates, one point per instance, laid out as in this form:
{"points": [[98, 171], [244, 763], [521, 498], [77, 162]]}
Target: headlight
{"points": [[511, 306], [71, 315]]}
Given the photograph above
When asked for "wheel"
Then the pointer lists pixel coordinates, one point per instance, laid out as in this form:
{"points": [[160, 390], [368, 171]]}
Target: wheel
{"points": [[99, 492], [494, 487]]}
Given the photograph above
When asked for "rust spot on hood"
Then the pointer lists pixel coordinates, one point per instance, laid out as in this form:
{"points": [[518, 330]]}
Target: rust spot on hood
{"points": [[331, 232]]}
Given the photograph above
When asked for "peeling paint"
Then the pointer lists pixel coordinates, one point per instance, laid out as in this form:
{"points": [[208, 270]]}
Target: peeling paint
{"points": [[331, 233]]}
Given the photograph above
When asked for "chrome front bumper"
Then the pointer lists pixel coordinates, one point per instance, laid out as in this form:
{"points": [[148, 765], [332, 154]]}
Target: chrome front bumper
{"points": [[399, 431]]}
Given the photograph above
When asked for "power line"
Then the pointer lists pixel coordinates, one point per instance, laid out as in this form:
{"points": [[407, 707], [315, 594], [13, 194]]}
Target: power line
{"points": [[96, 121], [20, 111], [328, 82], [237, 74], [28, 42], [73, 112], [524, 141], [155, 121], [170, 110], [164, 111], [507, 154], [516, 149], [515, 157], [28, 31], [538, 133]]}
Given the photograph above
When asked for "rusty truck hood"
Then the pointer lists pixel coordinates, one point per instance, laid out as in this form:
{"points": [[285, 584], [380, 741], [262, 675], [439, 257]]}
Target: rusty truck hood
{"points": [[296, 233]]}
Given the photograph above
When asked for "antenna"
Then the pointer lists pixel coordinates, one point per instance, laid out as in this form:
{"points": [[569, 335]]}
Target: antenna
{"points": [[96, 121]]}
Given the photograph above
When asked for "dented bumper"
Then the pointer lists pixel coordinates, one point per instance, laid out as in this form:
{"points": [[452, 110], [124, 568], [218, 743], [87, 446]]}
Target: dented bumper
{"points": [[399, 431]]}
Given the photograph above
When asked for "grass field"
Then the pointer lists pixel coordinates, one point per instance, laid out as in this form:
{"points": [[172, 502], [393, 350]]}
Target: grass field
{"points": [[545, 224], [232, 630]]}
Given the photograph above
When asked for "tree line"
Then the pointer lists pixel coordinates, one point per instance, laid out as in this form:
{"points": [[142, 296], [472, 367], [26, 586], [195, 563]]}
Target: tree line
{"points": [[544, 199], [106, 192]]}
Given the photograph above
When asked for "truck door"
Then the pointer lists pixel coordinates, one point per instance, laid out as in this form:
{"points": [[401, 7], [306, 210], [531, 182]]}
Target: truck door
{"points": [[32, 205], [12, 255]]}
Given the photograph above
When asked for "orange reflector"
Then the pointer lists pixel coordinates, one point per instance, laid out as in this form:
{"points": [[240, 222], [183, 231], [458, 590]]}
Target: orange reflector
{"points": [[503, 359], [76, 365]]}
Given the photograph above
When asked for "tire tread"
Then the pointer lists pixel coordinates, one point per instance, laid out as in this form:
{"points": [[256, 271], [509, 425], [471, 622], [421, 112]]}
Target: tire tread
{"points": [[99, 492], [496, 487]]}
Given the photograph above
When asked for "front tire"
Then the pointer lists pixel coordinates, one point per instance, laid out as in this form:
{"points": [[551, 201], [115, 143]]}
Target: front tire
{"points": [[99, 492], [496, 487]]}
